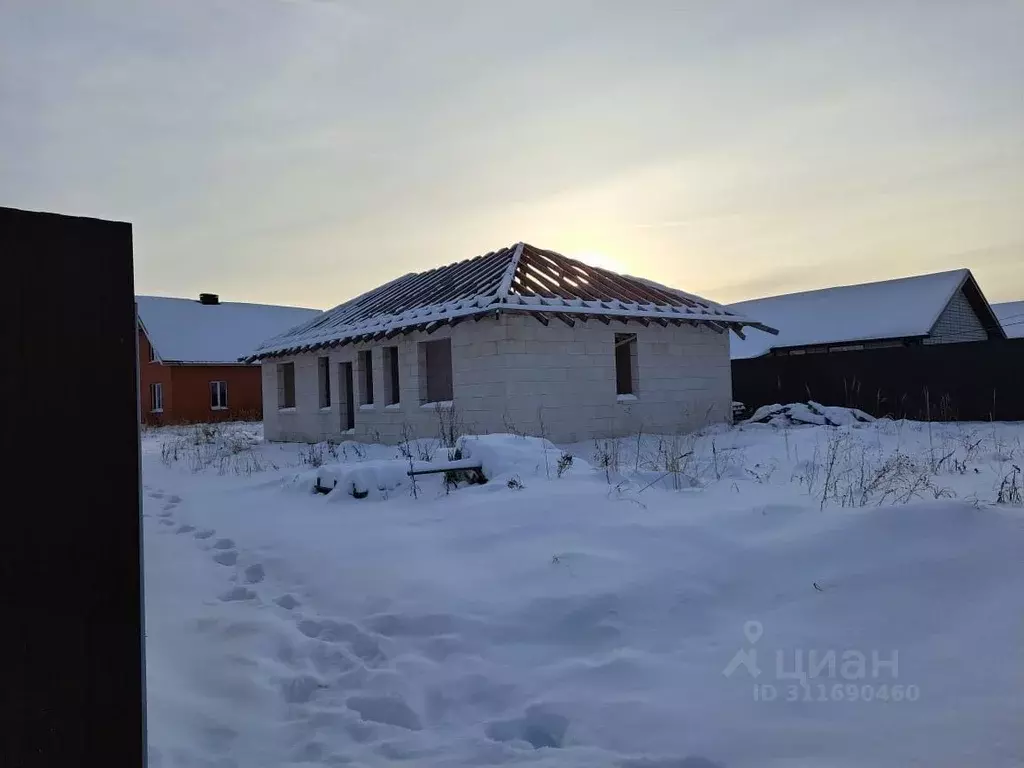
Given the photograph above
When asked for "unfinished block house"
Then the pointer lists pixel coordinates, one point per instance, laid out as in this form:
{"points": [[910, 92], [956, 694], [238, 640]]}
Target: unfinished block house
{"points": [[520, 339]]}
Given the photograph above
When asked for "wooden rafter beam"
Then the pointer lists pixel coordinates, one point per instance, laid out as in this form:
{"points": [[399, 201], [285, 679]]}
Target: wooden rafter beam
{"points": [[618, 286], [535, 282], [558, 274]]}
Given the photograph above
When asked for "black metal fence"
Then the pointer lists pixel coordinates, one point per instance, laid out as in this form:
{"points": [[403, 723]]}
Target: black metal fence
{"points": [[70, 550], [977, 381]]}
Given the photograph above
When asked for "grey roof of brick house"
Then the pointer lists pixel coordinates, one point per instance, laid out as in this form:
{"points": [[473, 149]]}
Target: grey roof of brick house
{"points": [[187, 331]]}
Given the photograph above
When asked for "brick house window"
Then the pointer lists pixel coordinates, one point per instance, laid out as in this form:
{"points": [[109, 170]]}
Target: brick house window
{"points": [[435, 364], [324, 372], [156, 398], [625, 364], [286, 385], [366, 377], [152, 353], [394, 391], [218, 395]]}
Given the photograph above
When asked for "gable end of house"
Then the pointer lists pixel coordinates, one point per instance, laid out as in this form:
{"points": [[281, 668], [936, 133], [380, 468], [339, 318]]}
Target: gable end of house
{"points": [[967, 316]]}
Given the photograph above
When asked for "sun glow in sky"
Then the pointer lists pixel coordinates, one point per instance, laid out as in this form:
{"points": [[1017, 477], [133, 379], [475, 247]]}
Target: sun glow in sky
{"points": [[303, 151]]}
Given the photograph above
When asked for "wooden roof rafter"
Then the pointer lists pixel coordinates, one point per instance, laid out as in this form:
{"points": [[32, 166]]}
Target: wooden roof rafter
{"points": [[520, 278]]}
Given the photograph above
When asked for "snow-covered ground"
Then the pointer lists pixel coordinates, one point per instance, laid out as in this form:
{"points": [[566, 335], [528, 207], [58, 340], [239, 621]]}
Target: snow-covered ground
{"points": [[608, 611]]}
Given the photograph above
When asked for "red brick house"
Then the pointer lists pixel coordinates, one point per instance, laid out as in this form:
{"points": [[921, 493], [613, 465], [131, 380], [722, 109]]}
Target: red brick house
{"points": [[189, 352]]}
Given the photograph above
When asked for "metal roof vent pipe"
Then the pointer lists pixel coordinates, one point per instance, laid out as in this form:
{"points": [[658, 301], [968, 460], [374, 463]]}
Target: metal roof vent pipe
{"points": [[209, 298]]}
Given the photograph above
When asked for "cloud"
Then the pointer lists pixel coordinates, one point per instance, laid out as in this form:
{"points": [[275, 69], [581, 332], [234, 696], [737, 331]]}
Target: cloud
{"points": [[304, 150]]}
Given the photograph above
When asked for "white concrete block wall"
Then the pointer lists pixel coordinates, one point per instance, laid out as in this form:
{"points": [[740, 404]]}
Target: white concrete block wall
{"points": [[306, 421], [513, 372], [562, 381], [380, 422]]}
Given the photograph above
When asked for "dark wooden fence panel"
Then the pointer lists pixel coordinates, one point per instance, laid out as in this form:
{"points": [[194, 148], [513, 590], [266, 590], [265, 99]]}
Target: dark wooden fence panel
{"points": [[975, 381], [69, 552]]}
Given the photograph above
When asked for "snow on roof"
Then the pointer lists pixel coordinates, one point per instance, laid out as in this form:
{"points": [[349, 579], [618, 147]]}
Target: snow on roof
{"points": [[1011, 317], [520, 278], [184, 330], [905, 307]]}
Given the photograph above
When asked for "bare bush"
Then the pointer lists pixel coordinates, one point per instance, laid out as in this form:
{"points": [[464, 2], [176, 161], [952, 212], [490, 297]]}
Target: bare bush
{"points": [[639, 441], [405, 446], [720, 461], [606, 457], [510, 425], [564, 463], [313, 455], [227, 450], [970, 444], [543, 434], [1009, 487], [807, 472], [834, 446], [355, 449], [425, 449], [673, 456], [405, 451], [762, 473], [450, 428], [856, 475]]}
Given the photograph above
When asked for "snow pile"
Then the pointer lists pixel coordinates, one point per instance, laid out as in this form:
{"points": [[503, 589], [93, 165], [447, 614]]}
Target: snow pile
{"points": [[505, 456], [376, 479], [808, 413], [364, 473]]}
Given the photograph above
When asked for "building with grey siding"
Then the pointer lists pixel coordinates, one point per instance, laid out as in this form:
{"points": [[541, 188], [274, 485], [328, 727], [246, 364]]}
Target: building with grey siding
{"points": [[938, 308]]}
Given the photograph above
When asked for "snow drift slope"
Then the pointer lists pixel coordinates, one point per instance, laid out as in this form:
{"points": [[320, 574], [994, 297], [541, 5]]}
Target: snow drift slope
{"points": [[564, 624]]}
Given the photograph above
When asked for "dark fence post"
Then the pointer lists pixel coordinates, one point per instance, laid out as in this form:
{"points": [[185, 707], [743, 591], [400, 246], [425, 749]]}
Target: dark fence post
{"points": [[70, 548]]}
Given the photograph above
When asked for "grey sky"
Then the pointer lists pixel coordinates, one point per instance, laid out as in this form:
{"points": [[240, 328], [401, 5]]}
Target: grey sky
{"points": [[302, 151]]}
